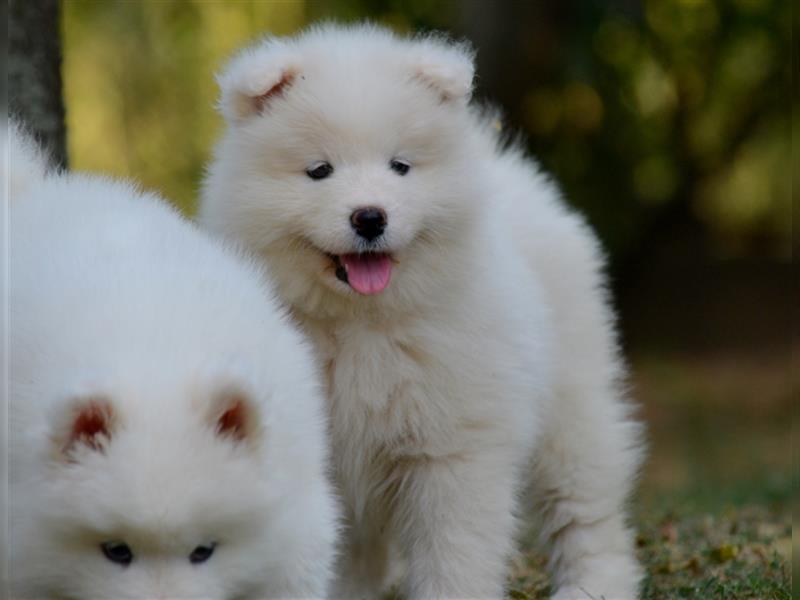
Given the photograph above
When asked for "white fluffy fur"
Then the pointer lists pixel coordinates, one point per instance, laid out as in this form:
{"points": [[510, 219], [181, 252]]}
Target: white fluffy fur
{"points": [[115, 298], [487, 365]]}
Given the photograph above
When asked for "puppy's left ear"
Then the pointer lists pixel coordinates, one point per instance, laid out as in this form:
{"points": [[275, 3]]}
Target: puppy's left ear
{"points": [[446, 67], [256, 77]]}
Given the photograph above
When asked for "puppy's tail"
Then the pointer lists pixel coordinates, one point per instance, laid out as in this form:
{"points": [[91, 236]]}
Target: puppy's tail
{"points": [[26, 164]]}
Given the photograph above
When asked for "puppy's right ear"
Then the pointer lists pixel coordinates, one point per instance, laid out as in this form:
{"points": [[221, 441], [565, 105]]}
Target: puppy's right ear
{"points": [[231, 413], [255, 77]]}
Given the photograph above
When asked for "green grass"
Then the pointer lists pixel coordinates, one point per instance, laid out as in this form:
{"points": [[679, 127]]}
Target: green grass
{"points": [[744, 553], [713, 512]]}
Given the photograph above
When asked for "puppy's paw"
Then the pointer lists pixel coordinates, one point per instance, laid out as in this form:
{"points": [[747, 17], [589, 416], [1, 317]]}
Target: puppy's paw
{"points": [[580, 592], [573, 592]]}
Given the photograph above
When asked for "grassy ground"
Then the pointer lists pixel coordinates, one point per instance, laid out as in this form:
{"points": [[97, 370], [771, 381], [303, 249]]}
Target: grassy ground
{"points": [[714, 508], [743, 553]]}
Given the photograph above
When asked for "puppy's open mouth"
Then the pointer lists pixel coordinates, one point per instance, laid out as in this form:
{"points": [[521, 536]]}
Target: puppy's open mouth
{"points": [[367, 273]]}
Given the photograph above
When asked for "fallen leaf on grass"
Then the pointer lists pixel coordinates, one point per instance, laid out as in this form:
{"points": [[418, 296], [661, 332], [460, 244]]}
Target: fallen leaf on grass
{"points": [[725, 552], [669, 532], [693, 565], [667, 568]]}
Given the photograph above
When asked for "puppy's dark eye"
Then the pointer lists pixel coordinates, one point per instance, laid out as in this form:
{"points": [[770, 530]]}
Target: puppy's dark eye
{"points": [[117, 552], [400, 167], [319, 170], [201, 554]]}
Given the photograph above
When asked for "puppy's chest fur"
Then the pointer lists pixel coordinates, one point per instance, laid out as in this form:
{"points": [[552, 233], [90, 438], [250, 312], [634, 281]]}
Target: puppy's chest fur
{"points": [[381, 387], [403, 393]]}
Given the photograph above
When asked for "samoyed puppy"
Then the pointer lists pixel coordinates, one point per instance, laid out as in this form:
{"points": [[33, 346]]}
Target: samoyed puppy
{"points": [[457, 309], [167, 435]]}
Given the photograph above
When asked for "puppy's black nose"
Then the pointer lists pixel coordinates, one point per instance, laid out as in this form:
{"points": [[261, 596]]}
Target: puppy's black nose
{"points": [[368, 222]]}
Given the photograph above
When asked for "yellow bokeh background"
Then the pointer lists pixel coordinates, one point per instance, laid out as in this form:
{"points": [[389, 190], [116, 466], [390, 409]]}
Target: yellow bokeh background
{"points": [[139, 83]]}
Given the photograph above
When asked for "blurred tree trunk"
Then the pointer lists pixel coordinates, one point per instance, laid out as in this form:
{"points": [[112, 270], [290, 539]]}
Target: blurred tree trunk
{"points": [[34, 72]]}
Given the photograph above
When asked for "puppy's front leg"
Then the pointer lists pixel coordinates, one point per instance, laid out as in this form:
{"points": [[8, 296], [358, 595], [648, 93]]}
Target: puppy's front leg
{"points": [[456, 525], [363, 564]]}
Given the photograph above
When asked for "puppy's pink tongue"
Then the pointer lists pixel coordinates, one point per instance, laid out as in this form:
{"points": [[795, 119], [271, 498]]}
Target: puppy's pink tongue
{"points": [[367, 273]]}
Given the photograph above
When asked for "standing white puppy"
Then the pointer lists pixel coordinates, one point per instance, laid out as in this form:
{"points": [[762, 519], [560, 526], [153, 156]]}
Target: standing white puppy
{"points": [[167, 432], [457, 307]]}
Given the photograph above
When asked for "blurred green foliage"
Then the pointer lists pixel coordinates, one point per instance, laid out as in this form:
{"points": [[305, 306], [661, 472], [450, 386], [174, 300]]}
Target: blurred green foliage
{"points": [[655, 116], [139, 83]]}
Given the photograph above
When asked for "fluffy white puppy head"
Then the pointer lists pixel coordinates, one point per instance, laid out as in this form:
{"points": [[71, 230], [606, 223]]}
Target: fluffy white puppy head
{"points": [[157, 503], [347, 161]]}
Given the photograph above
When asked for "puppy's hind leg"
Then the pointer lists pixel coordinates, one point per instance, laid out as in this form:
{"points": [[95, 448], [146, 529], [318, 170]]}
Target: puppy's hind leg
{"points": [[585, 466], [590, 448]]}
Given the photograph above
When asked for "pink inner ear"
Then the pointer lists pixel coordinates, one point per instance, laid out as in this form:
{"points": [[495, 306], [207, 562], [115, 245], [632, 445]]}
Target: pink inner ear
{"points": [[92, 425], [275, 91], [233, 421]]}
